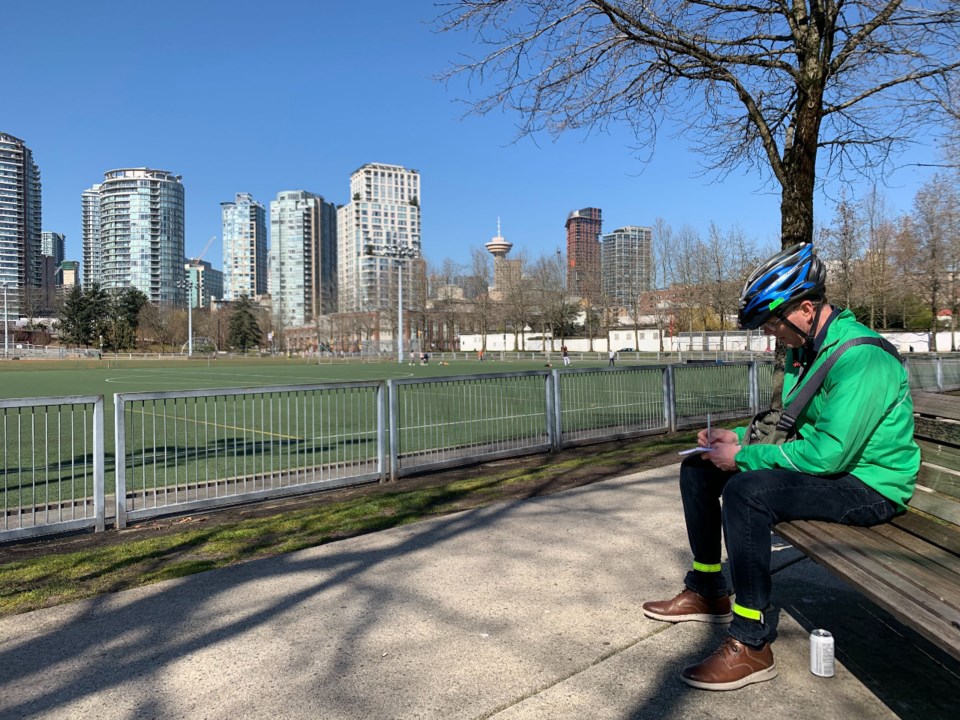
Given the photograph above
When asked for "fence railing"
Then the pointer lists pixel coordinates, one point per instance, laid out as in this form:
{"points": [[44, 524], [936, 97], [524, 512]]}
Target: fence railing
{"points": [[179, 451], [52, 465], [440, 422]]}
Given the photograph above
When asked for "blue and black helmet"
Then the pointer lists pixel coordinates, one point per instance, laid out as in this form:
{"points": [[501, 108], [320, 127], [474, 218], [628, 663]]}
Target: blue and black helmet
{"points": [[791, 275]]}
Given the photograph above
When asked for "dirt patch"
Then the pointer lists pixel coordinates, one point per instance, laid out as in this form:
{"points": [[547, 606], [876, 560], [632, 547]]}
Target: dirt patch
{"points": [[556, 472]]}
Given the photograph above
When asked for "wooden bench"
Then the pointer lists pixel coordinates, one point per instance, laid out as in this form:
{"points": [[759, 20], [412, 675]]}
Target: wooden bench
{"points": [[910, 566]]}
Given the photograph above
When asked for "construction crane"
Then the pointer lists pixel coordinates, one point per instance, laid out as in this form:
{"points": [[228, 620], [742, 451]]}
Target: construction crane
{"points": [[205, 248]]}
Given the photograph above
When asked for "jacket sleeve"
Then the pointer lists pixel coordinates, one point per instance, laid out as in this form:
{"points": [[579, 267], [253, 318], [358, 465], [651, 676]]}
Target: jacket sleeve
{"points": [[849, 406]]}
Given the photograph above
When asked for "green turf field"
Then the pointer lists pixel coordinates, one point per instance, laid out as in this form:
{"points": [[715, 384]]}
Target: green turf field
{"points": [[55, 378]]}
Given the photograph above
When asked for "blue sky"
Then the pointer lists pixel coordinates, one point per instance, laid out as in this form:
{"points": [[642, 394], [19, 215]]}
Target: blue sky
{"points": [[260, 97]]}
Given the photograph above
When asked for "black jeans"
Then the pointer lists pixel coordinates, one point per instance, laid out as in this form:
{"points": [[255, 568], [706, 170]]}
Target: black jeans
{"points": [[746, 505]]}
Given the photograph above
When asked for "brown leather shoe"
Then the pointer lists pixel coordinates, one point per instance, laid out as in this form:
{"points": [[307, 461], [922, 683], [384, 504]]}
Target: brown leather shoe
{"points": [[688, 605], [731, 667]]}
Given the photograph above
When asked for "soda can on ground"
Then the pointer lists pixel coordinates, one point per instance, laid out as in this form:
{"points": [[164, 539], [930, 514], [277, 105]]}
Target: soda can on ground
{"points": [[821, 653]]}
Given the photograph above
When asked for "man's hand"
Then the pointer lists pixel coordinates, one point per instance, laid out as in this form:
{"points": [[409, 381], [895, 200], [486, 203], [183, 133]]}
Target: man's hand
{"points": [[717, 436], [723, 454]]}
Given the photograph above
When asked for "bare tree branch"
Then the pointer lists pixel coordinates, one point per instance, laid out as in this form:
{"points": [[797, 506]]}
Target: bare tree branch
{"points": [[758, 86]]}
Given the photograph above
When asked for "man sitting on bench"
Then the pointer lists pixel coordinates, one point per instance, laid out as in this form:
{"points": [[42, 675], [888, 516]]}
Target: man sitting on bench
{"points": [[854, 461]]}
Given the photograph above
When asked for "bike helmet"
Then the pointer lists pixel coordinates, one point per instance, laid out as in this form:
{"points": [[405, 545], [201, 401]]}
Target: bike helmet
{"points": [[791, 275]]}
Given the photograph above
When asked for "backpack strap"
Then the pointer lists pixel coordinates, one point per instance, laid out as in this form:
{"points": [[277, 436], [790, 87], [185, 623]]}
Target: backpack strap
{"points": [[789, 416]]}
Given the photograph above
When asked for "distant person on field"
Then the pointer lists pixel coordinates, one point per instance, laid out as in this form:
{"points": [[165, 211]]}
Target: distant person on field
{"points": [[611, 358], [853, 462], [566, 355]]}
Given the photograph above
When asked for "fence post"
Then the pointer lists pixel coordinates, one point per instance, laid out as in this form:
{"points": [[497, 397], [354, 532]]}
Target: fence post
{"points": [[754, 382], [120, 461], [557, 418], [381, 432], [99, 498], [394, 417], [548, 404], [669, 399], [939, 362]]}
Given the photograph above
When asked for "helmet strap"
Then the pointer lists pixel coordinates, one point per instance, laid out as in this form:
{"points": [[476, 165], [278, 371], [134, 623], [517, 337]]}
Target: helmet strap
{"points": [[809, 335]]}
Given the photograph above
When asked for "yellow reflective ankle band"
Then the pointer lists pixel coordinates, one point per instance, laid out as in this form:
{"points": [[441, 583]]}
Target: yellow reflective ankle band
{"points": [[701, 567], [748, 613]]}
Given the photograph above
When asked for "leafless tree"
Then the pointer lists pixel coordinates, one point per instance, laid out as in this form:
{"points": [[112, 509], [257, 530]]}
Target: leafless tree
{"points": [[841, 246], [548, 277], [877, 265], [765, 85], [158, 323], [484, 307], [934, 219], [663, 260], [517, 300], [686, 277]]}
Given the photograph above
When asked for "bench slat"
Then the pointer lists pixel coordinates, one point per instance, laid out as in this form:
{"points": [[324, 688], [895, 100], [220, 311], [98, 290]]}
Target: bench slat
{"points": [[939, 479], [921, 547], [922, 577], [933, 503], [932, 531], [912, 576], [936, 404], [938, 430], [824, 544]]}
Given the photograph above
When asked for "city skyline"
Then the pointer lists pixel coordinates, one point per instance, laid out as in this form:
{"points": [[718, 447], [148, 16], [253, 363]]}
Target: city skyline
{"points": [[389, 109]]}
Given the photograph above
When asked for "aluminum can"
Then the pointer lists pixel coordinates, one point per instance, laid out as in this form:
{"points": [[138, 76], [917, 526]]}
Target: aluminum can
{"points": [[821, 653]]}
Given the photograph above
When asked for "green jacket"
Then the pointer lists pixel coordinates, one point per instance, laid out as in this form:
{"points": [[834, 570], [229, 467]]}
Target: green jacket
{"points": [[860, 421]]}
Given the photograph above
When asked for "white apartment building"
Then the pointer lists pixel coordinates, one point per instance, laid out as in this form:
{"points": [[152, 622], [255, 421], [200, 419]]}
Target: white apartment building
{"points": [[133, 234], [244, 248], [378, 236], [20, 220], [92, 265]]}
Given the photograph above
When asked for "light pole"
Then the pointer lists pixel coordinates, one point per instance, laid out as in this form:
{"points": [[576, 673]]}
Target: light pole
{"points": [[399, 310], [187, 283], [399, 255], [6, 335]]}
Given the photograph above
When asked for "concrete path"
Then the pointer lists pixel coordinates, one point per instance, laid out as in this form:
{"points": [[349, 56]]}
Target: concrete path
{"points": [[516, 611]]}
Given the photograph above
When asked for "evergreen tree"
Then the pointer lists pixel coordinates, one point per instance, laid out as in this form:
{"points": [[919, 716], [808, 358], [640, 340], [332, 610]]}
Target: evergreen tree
{"points": [[74, 319], [98, 306], [128, 305], [125, 319], [244, 328]]}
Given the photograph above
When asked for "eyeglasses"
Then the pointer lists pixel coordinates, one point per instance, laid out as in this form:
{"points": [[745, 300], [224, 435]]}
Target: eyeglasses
{"points": [[771, 326]]}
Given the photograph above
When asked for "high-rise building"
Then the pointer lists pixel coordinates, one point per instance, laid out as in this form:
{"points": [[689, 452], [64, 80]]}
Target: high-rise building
{"points": [[140, 240], [583, 253], [20, 218], [244, 248], [379, 236], [303, 262], [205, 283], [70, 272], [627, 264], [53, 245], [90, 253]]}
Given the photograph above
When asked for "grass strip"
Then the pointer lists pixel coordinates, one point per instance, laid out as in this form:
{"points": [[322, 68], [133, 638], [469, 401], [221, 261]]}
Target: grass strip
{"points": [[56, 578]]}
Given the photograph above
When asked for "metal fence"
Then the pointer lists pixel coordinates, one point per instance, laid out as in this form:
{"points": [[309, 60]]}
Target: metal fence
{"points": [[439, 422], [52, 465], [933, 373], [178, 451], [597, 404], [196, 449]]}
